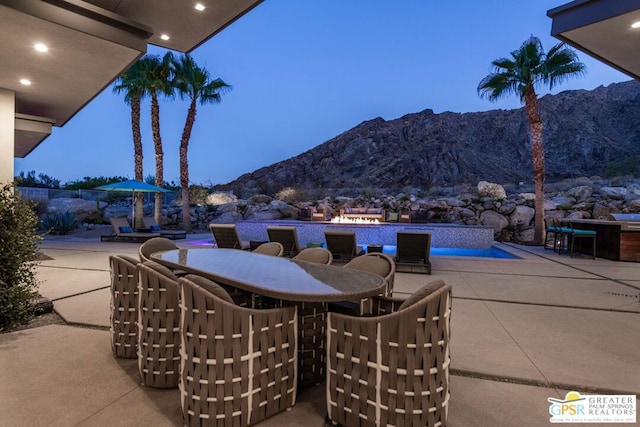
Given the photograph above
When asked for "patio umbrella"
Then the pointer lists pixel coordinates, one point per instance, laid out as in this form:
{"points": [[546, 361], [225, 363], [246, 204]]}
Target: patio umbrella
{"points": [[133, 186]]}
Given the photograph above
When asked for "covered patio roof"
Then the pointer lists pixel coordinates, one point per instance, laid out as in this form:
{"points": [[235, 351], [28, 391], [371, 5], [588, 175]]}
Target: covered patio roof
{"points": [[88, 44], [607, 30]]}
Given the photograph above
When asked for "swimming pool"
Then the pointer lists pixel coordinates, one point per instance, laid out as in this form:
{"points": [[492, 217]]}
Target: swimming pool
{"points": [[492, 252]]}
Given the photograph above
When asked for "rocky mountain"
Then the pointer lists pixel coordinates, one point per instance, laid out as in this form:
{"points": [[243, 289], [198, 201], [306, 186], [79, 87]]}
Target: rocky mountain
{"points": [[585, 133]]}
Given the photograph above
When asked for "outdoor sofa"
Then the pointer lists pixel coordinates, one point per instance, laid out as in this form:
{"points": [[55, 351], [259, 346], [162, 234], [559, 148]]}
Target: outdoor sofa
{"points": [[365, 213]]}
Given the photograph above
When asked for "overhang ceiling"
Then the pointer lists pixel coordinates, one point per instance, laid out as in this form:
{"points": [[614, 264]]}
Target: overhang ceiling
{"points": [[602, 29], [90, 43]]}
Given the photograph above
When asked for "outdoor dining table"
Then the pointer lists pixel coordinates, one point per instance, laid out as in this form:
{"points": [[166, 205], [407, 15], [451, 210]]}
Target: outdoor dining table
{"points": [[282, 281]]}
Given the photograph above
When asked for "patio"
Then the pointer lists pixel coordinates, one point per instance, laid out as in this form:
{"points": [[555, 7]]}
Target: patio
{"points": [[523, 330]]}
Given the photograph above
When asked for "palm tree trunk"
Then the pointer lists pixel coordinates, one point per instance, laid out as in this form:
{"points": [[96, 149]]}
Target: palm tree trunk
{"points": [[157, 142], [537, 155], [137, 155], [184, 165]]}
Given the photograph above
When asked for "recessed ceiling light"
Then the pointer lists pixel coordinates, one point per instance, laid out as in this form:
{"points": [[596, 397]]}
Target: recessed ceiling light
{"points": [[635, 25], [25, 82], [164, 37], [199, 6], [41, 47]]}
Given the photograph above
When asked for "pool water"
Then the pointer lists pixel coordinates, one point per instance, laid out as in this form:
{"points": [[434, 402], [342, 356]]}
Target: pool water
{"points": [[492, 252]]}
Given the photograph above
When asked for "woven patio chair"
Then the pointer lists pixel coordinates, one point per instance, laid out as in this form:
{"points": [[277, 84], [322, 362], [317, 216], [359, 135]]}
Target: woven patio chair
{"points": [[315, 255], [412, 252], [239, 365], [342, 245], [156, 244], [377, 263], [226, 236], [391, 369], [158, 326], [124, 306], [269, 248], [288, 237]]}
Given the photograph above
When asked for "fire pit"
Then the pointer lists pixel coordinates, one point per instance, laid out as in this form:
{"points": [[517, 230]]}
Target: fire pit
{"points": [[346, 220]]}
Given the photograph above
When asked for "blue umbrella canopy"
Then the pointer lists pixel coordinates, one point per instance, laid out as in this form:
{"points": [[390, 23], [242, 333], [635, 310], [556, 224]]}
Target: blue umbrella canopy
{"points": [[132, 185]]}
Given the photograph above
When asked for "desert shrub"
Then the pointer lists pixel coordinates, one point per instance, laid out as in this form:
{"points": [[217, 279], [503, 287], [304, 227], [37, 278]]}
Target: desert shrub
{"points": [[18, 259], [59, 223], [292, 195], [198, 195]]}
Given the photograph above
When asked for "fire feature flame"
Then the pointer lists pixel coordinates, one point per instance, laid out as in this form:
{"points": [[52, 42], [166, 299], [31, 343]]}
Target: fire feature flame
{"points": [[347, 220]]}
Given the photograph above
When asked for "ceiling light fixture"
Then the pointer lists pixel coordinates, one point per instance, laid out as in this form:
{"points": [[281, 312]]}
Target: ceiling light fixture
{"points": [[164, 37], [635, 25], [25, 82], [199, 6], [41, 47]]}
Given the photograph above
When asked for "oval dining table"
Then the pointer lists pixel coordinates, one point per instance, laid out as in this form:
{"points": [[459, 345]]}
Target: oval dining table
{"points": [[308, 285]]}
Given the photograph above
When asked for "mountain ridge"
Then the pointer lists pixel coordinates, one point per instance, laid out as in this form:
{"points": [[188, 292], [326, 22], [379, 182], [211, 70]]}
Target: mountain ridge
{"points": [[585, 131]]}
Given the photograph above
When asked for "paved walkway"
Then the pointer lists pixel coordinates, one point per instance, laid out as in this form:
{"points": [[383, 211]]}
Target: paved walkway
{"points": [[523, 330]]}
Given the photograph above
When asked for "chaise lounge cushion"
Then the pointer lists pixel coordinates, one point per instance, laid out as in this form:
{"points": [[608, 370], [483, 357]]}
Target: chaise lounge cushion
{"points": [[126, 230]]}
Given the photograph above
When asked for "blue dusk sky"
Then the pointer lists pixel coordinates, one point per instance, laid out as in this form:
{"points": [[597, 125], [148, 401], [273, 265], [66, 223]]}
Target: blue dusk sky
{"points": [[304, 71]]}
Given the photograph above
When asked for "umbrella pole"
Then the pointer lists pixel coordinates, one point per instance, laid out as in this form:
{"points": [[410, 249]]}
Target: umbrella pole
{"points": [[133, 210]]}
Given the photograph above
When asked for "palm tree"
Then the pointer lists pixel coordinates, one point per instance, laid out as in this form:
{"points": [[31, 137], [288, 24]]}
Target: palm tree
{"points": [[132, 84], [528, 68], [195, 84], [158, 81]]}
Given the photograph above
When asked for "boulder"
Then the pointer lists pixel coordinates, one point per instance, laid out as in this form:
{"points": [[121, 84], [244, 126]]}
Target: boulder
{"points": [[633, 192], [455, 202], [522, 215], [633, 206], [563, 202], [527, 196], [615, 193], [506, 208], [583, 206], [260, 198], [549, 215], [600, 211], [549, 205], [580, 193], [493, 219], [527, 236], [579, 215], [467, 213], [221, 198], [490, 189]]}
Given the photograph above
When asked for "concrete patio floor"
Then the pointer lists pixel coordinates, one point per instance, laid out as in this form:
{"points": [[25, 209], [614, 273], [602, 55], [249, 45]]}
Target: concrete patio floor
{"points": [[523, 330]]}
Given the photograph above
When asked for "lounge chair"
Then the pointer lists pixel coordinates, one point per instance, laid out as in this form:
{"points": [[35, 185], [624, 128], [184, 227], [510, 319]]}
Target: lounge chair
{"points": [[413, 250], [342, 245], [150, 223], [122, 231], [270, 248], [315, 255], [287, 237], [391, 369], [226, 236]]}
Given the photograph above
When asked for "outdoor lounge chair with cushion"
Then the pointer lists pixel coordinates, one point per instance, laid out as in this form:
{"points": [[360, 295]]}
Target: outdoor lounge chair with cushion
{"points": [[270, 248], [226, 236], [342, 245], [122, 231], [315, 255], [391, 369], [238, 364], [288, 237], [412, 252], [124, 306], [158, 326], [150, 223]]}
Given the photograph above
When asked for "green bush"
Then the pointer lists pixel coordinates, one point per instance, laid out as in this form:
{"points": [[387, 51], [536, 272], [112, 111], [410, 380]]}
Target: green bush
{"points": [[59, 223], [18, 259]]}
